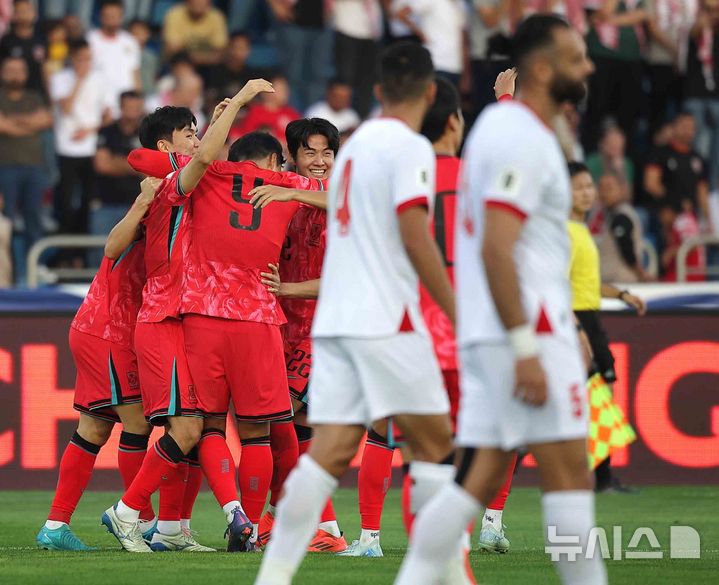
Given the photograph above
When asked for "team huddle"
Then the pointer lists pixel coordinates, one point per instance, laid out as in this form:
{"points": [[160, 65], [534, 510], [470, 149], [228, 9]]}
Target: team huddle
{"points": [[320, 304]]}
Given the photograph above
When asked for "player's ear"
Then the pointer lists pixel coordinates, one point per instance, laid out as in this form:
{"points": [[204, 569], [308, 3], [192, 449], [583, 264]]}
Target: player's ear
{"points": [[163, 146]]}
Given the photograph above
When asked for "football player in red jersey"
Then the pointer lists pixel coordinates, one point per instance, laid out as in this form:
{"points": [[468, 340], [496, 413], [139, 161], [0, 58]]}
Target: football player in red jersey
{"points": [[313, 144], [169, 396], [107, 389]]}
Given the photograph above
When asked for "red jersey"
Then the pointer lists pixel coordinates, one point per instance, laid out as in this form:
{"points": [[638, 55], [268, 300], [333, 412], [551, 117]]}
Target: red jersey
{"points": [[302, 256], [445, 345], [260, 118], [232, 242], [110, 308]]}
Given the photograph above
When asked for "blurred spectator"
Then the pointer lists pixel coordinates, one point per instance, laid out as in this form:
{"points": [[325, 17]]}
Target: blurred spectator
{"points": [[620, 241], [80, 9], [188, 93], [668, 24], [57, 47], [441, 26], [611, 158], [25, 41], [197, 28], [271, 113], [149, 59], [116, 184], [5, 248], [115, 54], [678, 228], [614, 43], [398, 29], [75, 28], [489, 48], [702, 84], [676, 172], [336, 107], [5, 15], [23, 117], [80, 100], [229, 76], [304, 43], [358, 29]]}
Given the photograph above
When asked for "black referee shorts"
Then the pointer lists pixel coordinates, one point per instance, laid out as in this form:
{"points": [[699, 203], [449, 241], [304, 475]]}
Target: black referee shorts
{"points": [[603, 358]]}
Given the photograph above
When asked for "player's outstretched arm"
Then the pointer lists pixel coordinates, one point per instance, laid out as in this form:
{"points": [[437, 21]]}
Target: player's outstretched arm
{"points": [[502, 230], [216, 135], [612, 292], [126, 230], [309, 289], [425, 257], [263, 195]]}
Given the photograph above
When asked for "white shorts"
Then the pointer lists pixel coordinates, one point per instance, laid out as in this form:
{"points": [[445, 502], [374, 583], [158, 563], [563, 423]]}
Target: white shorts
{"points": [[362, 380], [490, 415]]}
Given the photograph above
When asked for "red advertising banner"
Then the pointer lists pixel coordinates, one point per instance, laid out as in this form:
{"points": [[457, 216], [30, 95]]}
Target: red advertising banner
{"points": [[668, 369]]}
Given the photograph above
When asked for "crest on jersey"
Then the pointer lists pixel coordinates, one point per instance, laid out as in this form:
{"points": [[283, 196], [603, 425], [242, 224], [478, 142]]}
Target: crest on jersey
{"points": [[508, 183]]}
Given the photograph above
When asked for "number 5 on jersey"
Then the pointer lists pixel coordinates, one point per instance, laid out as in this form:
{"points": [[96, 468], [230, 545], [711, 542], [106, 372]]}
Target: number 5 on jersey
{"points": [[343, 207], [240, 197]]}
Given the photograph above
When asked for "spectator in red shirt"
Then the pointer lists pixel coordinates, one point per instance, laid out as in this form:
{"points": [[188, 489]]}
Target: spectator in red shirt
{"points": [[271, 113]]}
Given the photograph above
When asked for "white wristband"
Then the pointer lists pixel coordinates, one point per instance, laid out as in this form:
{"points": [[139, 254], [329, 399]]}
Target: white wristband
{"points": [[524, 341]]}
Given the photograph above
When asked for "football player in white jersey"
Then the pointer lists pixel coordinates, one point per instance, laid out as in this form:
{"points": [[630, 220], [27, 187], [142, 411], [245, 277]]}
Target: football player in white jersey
{"points": [[522, 377], [373, 354]]}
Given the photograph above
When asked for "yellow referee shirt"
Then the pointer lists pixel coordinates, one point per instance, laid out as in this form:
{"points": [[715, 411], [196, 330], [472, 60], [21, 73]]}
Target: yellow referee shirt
{"points": [[584, 269]]}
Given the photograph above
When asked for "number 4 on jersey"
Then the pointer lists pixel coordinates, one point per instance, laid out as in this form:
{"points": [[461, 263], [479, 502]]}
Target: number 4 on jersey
{"points": [[343, 209]]}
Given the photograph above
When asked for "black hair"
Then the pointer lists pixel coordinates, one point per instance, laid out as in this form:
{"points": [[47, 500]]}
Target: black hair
{"points": [[255, 146], [105, 3], [141, 21], [77, 45], [298, 133], [684, 114], [243, 34], [533, 34], [575, 168], [162, 123], [132, 94], [15, 2], [180, 57], [335, 81], [445, 105], [405, 70]]}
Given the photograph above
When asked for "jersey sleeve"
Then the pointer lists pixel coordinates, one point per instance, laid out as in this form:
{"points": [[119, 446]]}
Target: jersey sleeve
{"points": [[513, 177], [170, 191], [154, 163], [413, 176]]}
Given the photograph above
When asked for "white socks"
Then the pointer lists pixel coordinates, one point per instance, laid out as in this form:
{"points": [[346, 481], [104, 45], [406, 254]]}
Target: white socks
{"points": [[168, 527], [428, 479], [54, 524], [437, 535], [125, 513], [572, 513], [229, 507], [368, 536], [494, 518], [332, 527], [296, 521], [185, 523]]}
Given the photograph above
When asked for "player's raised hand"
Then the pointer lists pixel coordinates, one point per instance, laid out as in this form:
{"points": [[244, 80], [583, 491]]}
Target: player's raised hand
{"points": [[531, 382], [263, 195], [636, 302], [148, 189], [219, 108], [272, 279], [505, 83], [252, 89]]}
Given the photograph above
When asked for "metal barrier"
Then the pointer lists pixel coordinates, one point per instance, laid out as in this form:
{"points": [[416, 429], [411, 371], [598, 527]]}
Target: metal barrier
{"points": [[36, 272], [652, 258], [684, 251]]}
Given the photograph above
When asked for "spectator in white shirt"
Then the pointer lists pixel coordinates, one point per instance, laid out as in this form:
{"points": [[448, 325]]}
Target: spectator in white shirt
{"points": [[337, 107], [440, 25], [116, 55], [358, 28], [81, 102]]}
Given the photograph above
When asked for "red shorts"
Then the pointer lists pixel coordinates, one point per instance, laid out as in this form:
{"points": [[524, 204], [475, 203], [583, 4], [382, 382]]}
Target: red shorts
{"points": [[106, 375], [238, 360], [299, 366], [451, 384], [167, 388]]}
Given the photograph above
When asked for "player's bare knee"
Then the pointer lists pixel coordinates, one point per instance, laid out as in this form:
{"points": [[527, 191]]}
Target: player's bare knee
{"points": [[215, 423], [186, 431], [133, 419], [94, 430], [381, 427], [253, 430]]}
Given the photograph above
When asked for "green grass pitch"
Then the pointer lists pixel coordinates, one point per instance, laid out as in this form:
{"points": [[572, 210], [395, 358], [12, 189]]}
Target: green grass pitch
{"points": [[22, 514]]}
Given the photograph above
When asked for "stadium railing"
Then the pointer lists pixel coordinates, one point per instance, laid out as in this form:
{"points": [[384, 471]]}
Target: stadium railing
{"points": [[683, 271], [40, 274]]}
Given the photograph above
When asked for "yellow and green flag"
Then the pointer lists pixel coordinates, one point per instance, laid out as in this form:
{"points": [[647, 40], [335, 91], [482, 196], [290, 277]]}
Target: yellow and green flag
{"points": [[608, 427]]}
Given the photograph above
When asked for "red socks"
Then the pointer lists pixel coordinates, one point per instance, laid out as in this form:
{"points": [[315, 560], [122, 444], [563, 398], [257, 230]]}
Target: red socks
{"points": [[76, 467], [285, 452], [218, 465], [375, 475], [501, 498], [172, 493], [193, 484], [255, 474], [130, 456], [407, 516], [160, 466]]}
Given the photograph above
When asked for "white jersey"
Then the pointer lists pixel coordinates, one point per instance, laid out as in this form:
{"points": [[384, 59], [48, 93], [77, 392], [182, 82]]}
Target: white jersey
{"points": [[369, 286], [513, 161]]}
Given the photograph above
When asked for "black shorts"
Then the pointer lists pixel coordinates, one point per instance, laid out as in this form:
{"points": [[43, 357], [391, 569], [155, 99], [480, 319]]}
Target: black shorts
{"points": [[603, 358]]}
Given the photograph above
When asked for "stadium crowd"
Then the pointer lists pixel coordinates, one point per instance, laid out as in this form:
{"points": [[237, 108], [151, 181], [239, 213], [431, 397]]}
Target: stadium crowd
{"points": [[77, 77]]}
